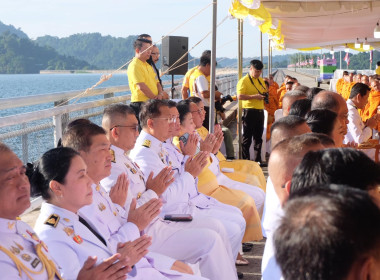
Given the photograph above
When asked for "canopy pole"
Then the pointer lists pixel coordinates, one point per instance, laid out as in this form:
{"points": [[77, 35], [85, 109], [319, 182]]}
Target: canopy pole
{"points": [[213, 64], [261, 48], [269, 65], [240, 75]]}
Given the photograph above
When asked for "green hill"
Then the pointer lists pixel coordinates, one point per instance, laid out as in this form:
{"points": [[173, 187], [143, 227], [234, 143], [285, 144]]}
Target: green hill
{"points": [[23, 56], [105, 52], [11, 29]]}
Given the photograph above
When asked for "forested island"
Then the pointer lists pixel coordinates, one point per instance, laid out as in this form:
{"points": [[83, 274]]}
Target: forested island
{"points": [[90, 51]]}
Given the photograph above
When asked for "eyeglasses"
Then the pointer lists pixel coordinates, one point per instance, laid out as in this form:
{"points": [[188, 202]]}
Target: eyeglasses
{"points": [[134, 127], [169, 120], [200, 111]]}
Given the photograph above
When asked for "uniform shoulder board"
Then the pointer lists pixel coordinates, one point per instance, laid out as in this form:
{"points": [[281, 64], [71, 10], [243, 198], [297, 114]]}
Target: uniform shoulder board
{"points": [[52, 220], [113, 159], [146, 143]]}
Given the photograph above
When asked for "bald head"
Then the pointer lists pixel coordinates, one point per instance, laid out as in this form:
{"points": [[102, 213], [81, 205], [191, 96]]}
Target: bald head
{"points": [[289, 98], [286, 156], [332, 101], [287, 127]]}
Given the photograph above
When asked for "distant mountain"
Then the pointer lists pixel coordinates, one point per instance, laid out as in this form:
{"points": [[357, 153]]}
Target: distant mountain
{"points": [[11, 29], [22, 55], [105, 52]]}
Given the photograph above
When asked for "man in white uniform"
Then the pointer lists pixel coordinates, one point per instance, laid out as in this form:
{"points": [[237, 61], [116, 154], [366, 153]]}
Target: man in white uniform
{"points": [[174, 239], [358, 131], [182, 197], [286, 127], [284, 158]]}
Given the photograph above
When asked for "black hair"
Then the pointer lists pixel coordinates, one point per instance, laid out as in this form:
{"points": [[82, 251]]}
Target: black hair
{"points": [[171, 103], [311, 92], [290, 83], [300, 107], [194, 99], [378, 63], [79, 136], [325, 231], [257, 64], [321, 121], [183, 108], [151, 109], [359, 88], [336, 166], [141, 39], [53, 165], [118, 109], [204, 60], [287, 122]]}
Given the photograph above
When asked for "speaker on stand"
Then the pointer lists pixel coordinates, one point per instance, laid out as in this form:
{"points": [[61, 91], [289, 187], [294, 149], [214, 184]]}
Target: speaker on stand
{"points": [[174, 56]]}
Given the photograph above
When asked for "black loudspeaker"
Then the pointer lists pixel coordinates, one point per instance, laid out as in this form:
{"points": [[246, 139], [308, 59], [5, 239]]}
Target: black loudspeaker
{"points": [[172, 49]]}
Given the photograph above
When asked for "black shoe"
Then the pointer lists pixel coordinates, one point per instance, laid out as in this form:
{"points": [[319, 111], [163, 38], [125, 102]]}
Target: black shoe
{"points": [[263, 164], [230, 158], [240, 275], [247, 247]]}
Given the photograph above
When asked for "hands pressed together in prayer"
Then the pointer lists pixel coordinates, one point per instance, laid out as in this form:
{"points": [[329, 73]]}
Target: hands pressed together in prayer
{"points": [[160, 183], [114, 268]]}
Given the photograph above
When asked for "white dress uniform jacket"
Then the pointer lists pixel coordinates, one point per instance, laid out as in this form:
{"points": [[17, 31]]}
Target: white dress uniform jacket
{"points": [[19, 240], [357, 131], [174, 239], [72, 243], [183, 197], [103, 215], [270, 270]]}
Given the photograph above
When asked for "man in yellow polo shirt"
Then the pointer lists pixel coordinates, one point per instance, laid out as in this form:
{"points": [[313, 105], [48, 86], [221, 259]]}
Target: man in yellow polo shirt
{"points": [[251, 89], [378, 69], [142, 80]]}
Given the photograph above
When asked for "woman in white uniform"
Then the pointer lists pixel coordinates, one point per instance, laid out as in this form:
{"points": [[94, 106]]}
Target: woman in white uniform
{"points": [[22, 254], [61, 178]]}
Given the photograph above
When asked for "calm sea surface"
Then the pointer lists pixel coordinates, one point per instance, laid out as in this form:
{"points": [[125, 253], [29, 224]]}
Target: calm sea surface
{"points": [[36, 84]]}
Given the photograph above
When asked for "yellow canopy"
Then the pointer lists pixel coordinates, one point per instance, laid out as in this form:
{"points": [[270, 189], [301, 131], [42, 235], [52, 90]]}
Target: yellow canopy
{"points": [[309, 25]]}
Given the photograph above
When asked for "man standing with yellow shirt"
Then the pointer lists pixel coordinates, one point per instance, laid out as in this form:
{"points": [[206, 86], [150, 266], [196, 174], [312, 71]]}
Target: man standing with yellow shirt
{"points": [[250, 90], [142, 80]]}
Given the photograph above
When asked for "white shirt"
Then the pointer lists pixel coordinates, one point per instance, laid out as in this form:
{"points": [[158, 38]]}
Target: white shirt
{"points": [[357, 131], [20, 240], [201, 84]]}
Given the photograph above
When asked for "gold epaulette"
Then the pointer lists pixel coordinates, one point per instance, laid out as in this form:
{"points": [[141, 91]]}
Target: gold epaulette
{"points": [[147, 143], [113, 159], [52, 220]]}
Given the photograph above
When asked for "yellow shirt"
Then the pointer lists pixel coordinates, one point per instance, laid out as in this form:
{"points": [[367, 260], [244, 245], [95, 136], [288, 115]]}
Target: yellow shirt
{"points": [[245, 87], [378, 71], [141, 72], [186, 79]]}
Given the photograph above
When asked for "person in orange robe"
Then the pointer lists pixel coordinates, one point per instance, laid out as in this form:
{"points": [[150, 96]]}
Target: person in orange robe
{"points": [[272, 106], [372, 104], [340, 83], [346, 89]]}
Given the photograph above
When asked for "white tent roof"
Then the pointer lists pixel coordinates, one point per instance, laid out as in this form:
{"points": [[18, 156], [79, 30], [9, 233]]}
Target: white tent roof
{"points": [[307, 24]]}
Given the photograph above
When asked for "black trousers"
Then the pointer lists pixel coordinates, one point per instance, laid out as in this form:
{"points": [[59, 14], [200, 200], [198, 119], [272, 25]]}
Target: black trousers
{"points": [[253, 127], [136, 106], [206, 122]]}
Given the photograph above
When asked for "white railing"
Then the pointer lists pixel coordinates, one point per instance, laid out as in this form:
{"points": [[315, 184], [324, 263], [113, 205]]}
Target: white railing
{"points": [[30, 134]]}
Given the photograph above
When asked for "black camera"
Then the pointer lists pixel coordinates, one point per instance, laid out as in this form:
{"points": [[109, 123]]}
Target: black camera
{"points": [[266, 97]]}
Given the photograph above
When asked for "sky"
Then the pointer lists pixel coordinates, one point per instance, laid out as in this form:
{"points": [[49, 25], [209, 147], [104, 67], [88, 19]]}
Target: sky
{"points": [[121, 18]]}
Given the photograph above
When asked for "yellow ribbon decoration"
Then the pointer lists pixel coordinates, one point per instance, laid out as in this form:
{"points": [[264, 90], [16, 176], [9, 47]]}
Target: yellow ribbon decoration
{"points": [[47, 264]]}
